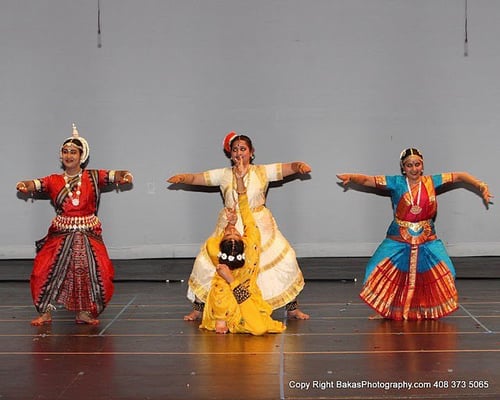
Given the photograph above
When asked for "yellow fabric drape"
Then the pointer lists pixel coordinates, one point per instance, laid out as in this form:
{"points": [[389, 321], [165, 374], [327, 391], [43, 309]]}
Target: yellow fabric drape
{"points": [[252, 315]]}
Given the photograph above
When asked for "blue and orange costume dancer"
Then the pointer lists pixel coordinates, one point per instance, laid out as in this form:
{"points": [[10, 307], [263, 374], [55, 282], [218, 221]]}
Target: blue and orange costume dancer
{"points": [[410, 276]]}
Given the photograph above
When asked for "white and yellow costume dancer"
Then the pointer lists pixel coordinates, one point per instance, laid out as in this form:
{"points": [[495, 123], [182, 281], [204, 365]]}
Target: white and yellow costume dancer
{"points": [[280, 278]]}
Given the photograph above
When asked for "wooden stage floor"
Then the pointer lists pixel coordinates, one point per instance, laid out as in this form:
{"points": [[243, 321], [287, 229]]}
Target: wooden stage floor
{"points": [[143, 350]]}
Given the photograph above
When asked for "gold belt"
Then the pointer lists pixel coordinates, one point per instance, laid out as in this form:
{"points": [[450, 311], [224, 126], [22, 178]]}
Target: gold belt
{"points": [[414, 226], [422, 228], [65, 223]]}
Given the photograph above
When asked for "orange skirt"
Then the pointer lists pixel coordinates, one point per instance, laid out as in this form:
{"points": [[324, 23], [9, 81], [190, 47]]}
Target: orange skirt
{"points": [[410, 282]]}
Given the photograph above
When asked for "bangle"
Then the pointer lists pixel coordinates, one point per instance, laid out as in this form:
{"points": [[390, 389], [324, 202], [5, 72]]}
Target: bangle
{"points": [[112, 176], [127, 180]]}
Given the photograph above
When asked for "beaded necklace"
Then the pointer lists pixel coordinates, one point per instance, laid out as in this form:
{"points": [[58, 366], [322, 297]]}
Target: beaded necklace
{"points": [[75, 197]]}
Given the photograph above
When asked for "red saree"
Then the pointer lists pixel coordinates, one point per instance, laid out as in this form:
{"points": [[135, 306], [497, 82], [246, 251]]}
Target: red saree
{"points": [[72, 266]]}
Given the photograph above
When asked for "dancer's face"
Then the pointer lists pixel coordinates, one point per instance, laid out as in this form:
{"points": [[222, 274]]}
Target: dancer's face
{"points": [[230, 232], [241, 150], [413, 168], [70, 157]]}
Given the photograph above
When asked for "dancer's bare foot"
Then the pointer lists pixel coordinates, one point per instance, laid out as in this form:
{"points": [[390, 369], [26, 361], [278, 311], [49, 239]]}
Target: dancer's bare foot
{"points": [[45, 318], [193, 316], [221, 327], [85, 317], [296, 314], [375, 316]]}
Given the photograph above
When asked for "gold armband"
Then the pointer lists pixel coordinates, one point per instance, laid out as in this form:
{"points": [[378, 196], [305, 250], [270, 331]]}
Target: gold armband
{"points": [[111, 176]]}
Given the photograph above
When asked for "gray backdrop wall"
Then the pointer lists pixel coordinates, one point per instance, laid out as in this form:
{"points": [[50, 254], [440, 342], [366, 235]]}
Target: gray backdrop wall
{"points": [[343, 85]]}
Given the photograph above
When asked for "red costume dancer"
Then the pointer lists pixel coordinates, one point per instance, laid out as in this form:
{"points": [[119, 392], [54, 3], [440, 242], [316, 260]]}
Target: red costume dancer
{"points": [[72, 266]]}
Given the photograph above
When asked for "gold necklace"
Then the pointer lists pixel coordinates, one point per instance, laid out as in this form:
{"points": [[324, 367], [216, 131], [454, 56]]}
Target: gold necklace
{"points": [[415, 208]]}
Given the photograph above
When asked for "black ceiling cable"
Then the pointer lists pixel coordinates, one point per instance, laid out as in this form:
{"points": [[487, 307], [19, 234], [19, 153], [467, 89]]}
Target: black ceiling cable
{"points": [[466, 38], [99, 41]]}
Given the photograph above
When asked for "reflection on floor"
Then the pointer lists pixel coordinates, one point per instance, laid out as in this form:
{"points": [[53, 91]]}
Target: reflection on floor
{"points": [[144, 350]]}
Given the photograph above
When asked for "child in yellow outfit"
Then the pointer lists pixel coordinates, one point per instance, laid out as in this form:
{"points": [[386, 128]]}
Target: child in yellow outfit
{"points": [[234, 303]]}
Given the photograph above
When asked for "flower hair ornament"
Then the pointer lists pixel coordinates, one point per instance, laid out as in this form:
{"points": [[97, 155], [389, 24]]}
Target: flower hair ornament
{"points": [[231, 258], [74, 141], [226, 143]]}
